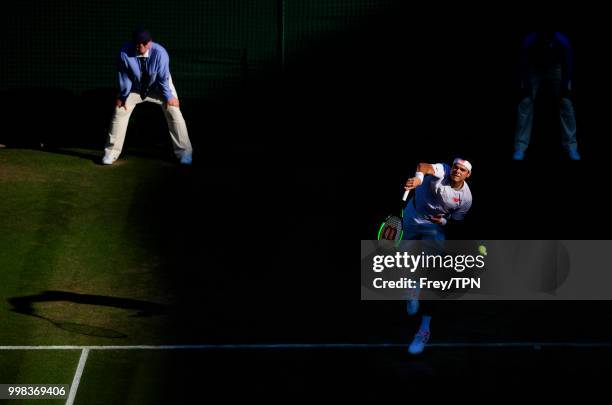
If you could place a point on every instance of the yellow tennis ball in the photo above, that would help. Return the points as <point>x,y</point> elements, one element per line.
<point>482,249</point>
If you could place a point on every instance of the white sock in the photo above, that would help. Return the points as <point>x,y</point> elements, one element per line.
<point>425,323</point>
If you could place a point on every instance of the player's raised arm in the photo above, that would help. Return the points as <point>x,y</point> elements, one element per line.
<point>422,170</point>
<point>425,168</point>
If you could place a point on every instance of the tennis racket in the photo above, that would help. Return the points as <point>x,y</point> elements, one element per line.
<point>391,228</point>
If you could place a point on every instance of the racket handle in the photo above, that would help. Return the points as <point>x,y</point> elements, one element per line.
<point>405,197</point>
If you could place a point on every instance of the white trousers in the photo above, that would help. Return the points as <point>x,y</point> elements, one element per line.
<point>174,118</point>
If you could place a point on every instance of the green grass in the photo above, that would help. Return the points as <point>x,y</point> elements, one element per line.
<point>71,225</point>
<point>101,239</point>
<point>38,367</point>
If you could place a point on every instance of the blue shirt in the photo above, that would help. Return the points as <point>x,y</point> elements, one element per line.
<point>541,54</point>
<point>128,68</point>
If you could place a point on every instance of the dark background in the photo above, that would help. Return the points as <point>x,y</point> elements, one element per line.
<point>368,87</point>
<point>366,91</point>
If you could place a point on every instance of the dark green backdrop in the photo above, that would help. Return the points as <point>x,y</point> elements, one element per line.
<point>214,45</point>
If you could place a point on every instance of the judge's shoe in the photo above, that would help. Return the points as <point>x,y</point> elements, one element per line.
<point>573,154</point>
<point>108,160</point>
<point>518,155</point>
<point>186,159</point>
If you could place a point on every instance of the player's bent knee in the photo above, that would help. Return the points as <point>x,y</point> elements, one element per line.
<point>566,105</point>
<point>175,114</point>
<point>120,112</point>
<point>525,106</point>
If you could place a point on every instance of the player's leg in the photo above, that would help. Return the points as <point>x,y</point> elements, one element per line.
<point>411,232</point>
<point>524,120</point>
<point>567,116</point>
<point>433,239</point>
<point>568,128</point>
<point>178,131</point>
<point>412,294</point>
<point>412,301</point>
<point>118,129</point>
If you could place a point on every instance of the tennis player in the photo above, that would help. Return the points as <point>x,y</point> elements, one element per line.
<point>441,196</point>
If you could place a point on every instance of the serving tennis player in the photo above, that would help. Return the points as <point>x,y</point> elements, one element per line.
<point>441,196</point>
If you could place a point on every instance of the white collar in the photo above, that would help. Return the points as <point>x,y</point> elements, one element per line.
<point>146,55</point>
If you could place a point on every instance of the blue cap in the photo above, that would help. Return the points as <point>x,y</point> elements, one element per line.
<point>141,35</point>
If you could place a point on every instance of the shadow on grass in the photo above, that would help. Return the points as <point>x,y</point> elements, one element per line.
<point>96,156</point>
<point>92,156</point>
<point>24,305</point>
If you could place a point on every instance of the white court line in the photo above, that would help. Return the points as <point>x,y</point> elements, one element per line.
<point>77,376</point>
<point>85,350</point>
<point>287,346</point>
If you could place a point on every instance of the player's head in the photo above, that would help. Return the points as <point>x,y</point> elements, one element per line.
<point>142,40</point>
<point>461,170</point>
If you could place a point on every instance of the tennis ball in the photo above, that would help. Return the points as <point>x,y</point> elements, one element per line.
<point>482,249</point>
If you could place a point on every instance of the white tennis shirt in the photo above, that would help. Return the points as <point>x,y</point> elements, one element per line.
<point>436,196</point>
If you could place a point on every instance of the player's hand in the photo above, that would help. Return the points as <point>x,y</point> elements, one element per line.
<point>173,102</point>
<point>411,183</point>
<point>437,219</point>
<point>120,103</point>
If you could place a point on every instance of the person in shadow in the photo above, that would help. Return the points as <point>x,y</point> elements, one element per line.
<point>546,56</point>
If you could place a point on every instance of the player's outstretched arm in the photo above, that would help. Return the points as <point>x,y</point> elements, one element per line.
<point>422,170</point>
<point>425,168</point>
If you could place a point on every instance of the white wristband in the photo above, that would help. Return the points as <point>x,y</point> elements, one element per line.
<point>443,221</point>
<point>420,176</point>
